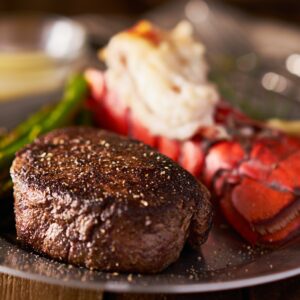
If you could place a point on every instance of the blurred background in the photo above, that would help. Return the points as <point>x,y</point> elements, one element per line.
<point>253,47</point>
<point>288,10</point>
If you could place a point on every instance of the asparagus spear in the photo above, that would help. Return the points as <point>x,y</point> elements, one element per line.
<point>66,109</point>
<point>24,127</point>
<point>84,118</point>
<point>61,115</point>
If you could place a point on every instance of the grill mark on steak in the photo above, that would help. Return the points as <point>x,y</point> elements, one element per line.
<point>103,201</point>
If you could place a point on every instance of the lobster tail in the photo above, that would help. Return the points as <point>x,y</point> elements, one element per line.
<point>253,171</point>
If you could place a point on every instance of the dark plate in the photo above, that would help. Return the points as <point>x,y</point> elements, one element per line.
<point>225,262</point>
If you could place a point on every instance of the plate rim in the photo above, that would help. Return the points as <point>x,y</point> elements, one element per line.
<point>131,287</point>
<point>122,287</point>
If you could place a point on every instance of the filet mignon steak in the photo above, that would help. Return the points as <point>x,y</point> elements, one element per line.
<point>96,199</point>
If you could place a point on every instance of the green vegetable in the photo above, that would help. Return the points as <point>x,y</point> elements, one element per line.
<point>24,127</point>
<point>44,121</point>
<point>84,118</point>
<point>67,108</point>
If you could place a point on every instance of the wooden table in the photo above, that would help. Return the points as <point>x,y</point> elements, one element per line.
<point>12,288</point>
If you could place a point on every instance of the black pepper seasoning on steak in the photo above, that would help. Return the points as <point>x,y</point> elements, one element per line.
<point>93,198</point>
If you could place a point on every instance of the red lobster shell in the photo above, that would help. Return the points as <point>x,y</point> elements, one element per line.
<point>254,175</point>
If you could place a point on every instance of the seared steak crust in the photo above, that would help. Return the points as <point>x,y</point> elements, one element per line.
<point>96,199</point>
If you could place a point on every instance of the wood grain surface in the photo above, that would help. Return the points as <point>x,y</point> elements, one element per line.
<point>12,288</point>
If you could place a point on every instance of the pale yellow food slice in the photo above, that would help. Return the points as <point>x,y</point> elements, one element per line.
<point>290,127</point>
